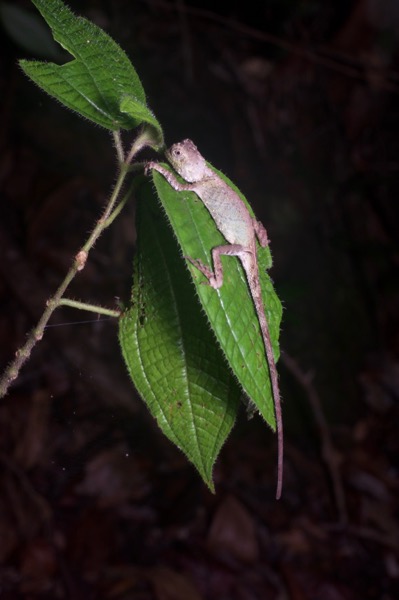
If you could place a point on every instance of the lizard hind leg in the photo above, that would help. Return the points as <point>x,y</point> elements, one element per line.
<point>215,278</point>
<point>206,271</point>
<point>261,233</point>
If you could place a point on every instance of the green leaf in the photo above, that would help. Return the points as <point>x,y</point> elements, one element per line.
<point>96,81</point>
<point>230,309</point>
<point>169,349</point>
<point>139,112</point>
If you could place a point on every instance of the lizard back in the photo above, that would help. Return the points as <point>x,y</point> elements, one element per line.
<point>227,210</point>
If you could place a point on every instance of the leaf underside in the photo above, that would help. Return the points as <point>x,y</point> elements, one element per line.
<point>170,350</point>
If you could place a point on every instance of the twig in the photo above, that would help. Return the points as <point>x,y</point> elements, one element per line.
<point>111,210</point>
<point>366,533</point>
<point>321,56</point>
<point>185,40</point>
<point>43,509</point>
<point>95,308</point>
<point>329,453</point>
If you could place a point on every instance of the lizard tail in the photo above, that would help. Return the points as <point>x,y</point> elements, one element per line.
<point>260,311</point>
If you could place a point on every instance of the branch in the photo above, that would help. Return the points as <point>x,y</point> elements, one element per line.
<point>110,212</point>
<point>329,453</point>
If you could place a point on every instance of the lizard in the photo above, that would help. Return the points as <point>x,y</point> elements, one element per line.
<point>241,230</point>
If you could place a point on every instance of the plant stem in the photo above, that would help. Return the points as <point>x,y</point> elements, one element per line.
<point>100,310</point>
<point>118,145</point>
<point>22,355</point>
<point>109,214</point>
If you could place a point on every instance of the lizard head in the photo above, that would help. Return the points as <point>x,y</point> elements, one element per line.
<point>187,161</point>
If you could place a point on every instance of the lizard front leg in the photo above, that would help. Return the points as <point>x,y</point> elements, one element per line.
<point>169,176</point>
<point>215,277</point>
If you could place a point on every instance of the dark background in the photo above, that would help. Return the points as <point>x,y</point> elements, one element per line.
<point>298,103</point>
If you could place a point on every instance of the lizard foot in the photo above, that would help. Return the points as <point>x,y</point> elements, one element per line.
<point>148,167</point>
<point>198,264</point>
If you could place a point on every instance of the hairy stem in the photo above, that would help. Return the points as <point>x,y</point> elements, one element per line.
<point>100,310</point>
<point>109,214</point>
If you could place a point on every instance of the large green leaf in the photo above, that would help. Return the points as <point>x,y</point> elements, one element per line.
<point>230,309</point>
<point>171,354</point>
<point>96,81</point>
